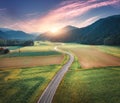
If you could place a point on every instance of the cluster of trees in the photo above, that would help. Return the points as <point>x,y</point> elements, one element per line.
<point>112,40</point>
<point>4,50</point>
<point>16,42</point>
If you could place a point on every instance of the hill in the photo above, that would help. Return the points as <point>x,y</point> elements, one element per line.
<point>62,36</point>
<point>103,31</point>
<point>2,35</point>
<point>9,34</point>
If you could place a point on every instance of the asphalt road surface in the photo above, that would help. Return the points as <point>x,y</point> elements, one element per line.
<point>49,92</point>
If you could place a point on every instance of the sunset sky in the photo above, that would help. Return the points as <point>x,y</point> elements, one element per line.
<point>44,15</point>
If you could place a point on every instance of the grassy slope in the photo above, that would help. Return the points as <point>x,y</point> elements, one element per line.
<point>97,85</point>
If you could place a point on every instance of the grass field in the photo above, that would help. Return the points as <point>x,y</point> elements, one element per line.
<point>18,62</point>
<point>115,51</point>
<point>91,56</point>
<point>100,85</point>
<point>14,47</point>
<point>31,51</point>
<point>23,76</point>
<point>25,85</point>
<point>93,85</point>
<point>30,56</point>
<point>81,84</point>
<point>24,54</point>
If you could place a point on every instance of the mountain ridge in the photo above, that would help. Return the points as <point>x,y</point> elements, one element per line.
<point>9,34</point>
<point>104,31</point>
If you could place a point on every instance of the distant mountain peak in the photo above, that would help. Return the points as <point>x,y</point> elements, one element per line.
<point>5,29</point>
<point>10,34</point>
<point>70,27</point>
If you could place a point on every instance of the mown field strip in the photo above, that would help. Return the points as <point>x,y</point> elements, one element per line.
<point>91,56</point>
<point>19,62</point>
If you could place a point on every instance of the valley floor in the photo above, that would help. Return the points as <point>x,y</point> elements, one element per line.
<point>87,81</point>
<point>25,75</point>
<point>98,85</point>
<point>92,78</point>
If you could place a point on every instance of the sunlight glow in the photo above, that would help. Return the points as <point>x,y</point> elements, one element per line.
<point>54,30</point>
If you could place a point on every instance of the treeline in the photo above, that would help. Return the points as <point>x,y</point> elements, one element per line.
<point>16,42</point>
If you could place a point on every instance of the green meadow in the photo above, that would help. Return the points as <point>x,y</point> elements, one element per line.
<point>113,50</point>
<point>43,49</point>
<point>29,53</point>
<point>79,85</point>
<point>97,85</point>
<point>93,85</point>
<point>25,85</point>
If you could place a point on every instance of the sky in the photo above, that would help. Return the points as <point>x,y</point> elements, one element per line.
<point>44,15</point>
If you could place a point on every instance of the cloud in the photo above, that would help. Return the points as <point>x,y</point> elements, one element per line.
<point>32,14</point>
<point>88,21</point>
<point>4,19</point>
<point>75,9</point>
<point>66,13</point>
<point>2,9</point>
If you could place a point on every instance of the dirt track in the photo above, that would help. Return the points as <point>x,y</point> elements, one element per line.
<point>90,57</point>
<point>18,62</point>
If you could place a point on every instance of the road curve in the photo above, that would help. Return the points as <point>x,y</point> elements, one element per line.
<point>49,92</point>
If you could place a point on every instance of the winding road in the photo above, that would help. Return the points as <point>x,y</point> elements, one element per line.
<point>49,92</point>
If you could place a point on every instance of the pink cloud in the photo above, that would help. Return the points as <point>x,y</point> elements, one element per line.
<point>64,14</point>
<point>88,21</point>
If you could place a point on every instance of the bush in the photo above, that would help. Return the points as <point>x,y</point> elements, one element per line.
<point>4,51</point>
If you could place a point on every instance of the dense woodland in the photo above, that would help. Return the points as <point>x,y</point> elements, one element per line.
<point>16,42</point>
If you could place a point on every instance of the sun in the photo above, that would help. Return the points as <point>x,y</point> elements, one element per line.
<point>54,30</point>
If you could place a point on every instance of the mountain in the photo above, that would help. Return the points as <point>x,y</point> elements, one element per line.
<point>5,29</point>
<point>69,28</point>
<point>103,31</point>
<point>18,35</point>
<point>61,36</point>
<point>2,35</point>
<point>15,35</point>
